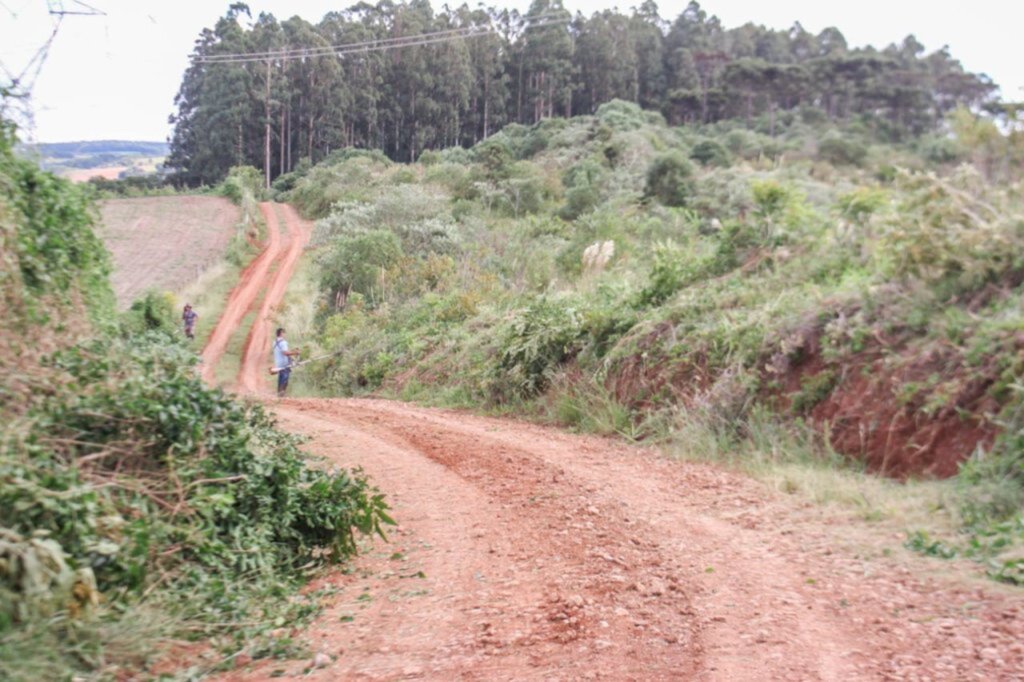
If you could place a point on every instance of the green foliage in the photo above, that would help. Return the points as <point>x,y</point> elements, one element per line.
<point>496,159</point>
<point>356,263</point>
<point>138,475</point>
<point>582,183</point>
<point>153,311</point>
<point>137,505</point>
<point>620,115</point>
<point>591,408</point>
<point>669,179</point>
<point>430,158</point>
<point>940,149</point>
<point>710,153</point>
<point>47,225</point>
<point>698,326</point>
<point>535,343</point>
<point>623,71</point>
<point>242,181</point>
<point>669,272</point>
<point>840,151</point>
<point>942,231</point>
<point>860,204</point>
<point>814,389</point>
<point>132,186</point>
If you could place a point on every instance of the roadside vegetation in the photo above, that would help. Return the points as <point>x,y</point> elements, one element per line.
<point>827,298</point>
<point>139,509</point>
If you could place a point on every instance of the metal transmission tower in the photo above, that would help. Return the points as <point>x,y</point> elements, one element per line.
<point>59,8</point>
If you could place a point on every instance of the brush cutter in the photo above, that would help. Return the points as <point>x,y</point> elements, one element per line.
<point>276,370</point>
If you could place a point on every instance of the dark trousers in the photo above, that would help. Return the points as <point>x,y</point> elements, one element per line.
<point>282,380</point>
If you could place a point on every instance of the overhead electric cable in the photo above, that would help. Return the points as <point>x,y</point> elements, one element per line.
<point>376,45</point>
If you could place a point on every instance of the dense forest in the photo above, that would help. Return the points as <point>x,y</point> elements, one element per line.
<point>402,78</point>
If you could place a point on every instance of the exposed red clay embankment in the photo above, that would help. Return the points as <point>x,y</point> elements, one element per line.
<point>528,553</point>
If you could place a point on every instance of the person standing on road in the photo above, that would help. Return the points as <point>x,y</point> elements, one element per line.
<point>282,361</point>
<point>189,317</point>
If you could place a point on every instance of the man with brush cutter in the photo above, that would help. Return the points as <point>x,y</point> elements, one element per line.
<point>282,362</point>
<point>285,362</point>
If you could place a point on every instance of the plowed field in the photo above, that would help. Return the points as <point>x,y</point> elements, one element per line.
<point>164,242</point>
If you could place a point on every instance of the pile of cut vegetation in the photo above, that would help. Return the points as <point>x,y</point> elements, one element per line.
<point>137,506</point>
<point>856,289</point>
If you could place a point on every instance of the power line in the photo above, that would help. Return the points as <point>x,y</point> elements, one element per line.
<point>376,45</point>
<point>79,8</point>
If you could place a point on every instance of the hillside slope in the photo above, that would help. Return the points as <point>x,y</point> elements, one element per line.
<point>526,552</point>
<point>700,285</point>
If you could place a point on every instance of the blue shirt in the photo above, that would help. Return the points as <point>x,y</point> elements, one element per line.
<point>280,348</point>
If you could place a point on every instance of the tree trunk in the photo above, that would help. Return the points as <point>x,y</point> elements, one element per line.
<point>487,104</point>
<point>266,129</point>
<point>280,146</point>
<point>289,136</point>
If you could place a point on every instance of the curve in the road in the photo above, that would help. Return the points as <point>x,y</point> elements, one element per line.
<point>528,553</point>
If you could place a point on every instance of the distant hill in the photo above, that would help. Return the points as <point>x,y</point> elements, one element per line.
<point>110,158</point>
<point>73,150</point>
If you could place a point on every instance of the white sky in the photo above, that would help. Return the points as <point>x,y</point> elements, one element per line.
<point>115,76</point>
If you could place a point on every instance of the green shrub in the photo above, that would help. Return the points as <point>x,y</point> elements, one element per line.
<point>582,195</point>
<point>535,343</point>
<point>710,153</point>
<point>47,228</point>
<point>840,151</point>
<point>579,200</point>
<point>129,477</point>
<point>430,157</point>
<point>669,273</point>
<point>619,115</point>
<point>287,182</point>
<point>940,149</point>
<point>242,180</point>
<point>495,157</point>
<point>356,264</point>
<point>670,179</point>
<point>153,311</point>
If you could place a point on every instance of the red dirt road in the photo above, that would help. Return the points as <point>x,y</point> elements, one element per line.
<point>267,277</point>
<point>252,378</point>
<point>526,553</point>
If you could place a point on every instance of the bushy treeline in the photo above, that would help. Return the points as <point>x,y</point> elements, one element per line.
<point>273,113</point>
<point>695,283</point>
<point>136,504</point>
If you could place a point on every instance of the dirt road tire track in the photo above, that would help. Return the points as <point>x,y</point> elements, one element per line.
<point>546,555</point>
<point>243,297</point>
<point>267,275</point>
<point>252,376</point>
